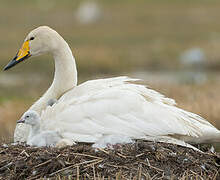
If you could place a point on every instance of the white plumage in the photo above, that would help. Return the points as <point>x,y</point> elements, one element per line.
<point>114,106</point>
<point>122,108</point>
<point>37,137</point>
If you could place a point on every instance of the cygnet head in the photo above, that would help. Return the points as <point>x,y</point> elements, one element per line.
<point>51,102</point>
<point>30,117</point>
<point>39,41</point>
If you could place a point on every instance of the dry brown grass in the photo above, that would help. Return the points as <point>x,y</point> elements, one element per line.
<point>139,160</point>
<point>10,113</point>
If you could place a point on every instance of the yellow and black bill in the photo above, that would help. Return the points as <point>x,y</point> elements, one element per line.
<point>22,54</point>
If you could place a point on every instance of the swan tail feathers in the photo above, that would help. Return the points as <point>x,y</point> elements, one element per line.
<point>170,140</point>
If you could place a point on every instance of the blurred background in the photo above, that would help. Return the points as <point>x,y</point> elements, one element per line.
<point>174,46</point>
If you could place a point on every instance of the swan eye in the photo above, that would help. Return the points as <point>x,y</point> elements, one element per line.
<point>27,116</point>
<point>32,38</point>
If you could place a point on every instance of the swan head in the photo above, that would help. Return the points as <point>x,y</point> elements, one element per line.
<point>39,41</point>
<point>30,117</point>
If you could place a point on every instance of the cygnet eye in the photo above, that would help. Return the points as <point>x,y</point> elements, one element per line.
<point>27,116</point>
<point>32,38</point>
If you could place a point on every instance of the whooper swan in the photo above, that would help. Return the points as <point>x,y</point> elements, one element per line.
<point>115,106</point>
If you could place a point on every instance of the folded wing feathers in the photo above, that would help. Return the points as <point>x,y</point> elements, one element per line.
<point>182,122</point>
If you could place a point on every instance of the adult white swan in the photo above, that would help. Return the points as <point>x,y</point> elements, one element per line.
<point>103,107</point>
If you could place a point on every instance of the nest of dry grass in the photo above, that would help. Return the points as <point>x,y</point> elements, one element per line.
<point>141,160</point>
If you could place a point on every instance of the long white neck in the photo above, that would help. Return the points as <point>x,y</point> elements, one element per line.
<point>65,77</point>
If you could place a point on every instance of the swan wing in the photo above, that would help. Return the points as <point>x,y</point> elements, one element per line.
<point>89,88</point>
<point>118,106</point>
